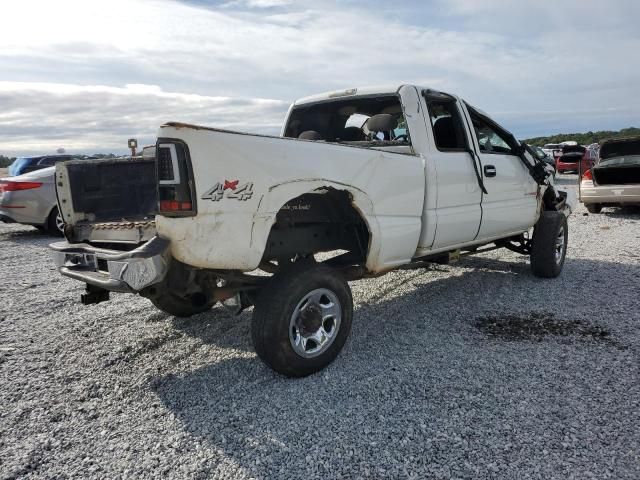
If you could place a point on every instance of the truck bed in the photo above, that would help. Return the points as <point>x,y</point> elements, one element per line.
<point>108,200</point>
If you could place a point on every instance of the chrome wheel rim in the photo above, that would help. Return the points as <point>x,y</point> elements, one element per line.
<point>315,323</point>
<point>560,246</point>
<point>59,222</point>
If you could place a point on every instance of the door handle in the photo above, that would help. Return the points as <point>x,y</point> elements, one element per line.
<point>489,171</point>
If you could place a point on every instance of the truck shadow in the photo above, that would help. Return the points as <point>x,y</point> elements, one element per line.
<point>26,233</point>
<point>359,403</point>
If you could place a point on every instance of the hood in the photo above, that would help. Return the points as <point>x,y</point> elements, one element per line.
<point>620,148</point>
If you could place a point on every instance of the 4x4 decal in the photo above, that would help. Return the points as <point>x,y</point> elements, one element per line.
<point>229,189</point>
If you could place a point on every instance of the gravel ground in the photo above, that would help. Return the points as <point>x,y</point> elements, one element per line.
<point>473,370</point>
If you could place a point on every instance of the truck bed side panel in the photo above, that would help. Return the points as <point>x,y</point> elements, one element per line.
<point>387,188</point>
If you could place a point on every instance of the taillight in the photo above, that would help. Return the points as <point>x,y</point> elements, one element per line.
<point>174,206</point>
<point>10,186</point>
<point>587,175</point>
<point>176,192</point>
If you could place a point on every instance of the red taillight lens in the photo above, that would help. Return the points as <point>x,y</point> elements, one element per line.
<point>9,186</point>
<point>587,175</point>
<point>174,206</point>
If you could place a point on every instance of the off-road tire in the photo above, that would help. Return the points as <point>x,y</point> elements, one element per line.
<point>274,309</point>
<point>594,207</point>
<point>545,261</point>
<point>52,223</point>
<point>181,307</point>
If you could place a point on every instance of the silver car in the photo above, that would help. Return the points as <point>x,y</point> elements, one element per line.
<point>31,199</point>
<point>615,180</point>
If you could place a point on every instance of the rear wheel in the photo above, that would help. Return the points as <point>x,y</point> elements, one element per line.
<point>55,224</point>
<point>302,319</point>
<point>594,207</point>
<point>549,244</point>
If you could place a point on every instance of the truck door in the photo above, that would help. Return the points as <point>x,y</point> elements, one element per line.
<point>458,195</point>
<point>510,205</point>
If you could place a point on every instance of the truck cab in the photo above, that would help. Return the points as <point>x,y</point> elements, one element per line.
<point>360,182</point>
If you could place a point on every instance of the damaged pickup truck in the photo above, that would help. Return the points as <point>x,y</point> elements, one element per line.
<point>360,182</point>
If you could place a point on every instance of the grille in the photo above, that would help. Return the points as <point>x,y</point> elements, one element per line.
<point>165,165</point>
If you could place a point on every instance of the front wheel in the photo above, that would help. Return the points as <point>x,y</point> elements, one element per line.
<point>302,319</point>
<point>549,244</point>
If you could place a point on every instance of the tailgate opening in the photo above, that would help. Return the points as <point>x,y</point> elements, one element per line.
<point>108,200</point>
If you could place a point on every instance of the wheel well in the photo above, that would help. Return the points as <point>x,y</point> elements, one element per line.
<point>323,220</point>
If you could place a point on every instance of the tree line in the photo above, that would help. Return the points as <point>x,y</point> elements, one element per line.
<point>585,138</point>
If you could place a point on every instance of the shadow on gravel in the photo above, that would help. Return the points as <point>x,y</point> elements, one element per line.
<point>536,326</point>
<point>415,367</point>
<point>28,235</point>
<point>621,212</point>
<point>217,327</point>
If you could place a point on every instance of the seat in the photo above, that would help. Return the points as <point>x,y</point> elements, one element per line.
<point>445,133</point>
<point>310,135</point>
<point>352,134</point>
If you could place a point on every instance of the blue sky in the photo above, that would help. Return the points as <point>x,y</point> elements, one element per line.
<point>86,75</point>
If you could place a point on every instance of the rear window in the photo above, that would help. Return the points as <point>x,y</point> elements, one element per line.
<point>18,165</point>
<point>366,121</point>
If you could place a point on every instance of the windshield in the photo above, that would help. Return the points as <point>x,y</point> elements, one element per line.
<point>625,161</point>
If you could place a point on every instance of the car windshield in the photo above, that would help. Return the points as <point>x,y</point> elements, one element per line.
<point>624,161</point>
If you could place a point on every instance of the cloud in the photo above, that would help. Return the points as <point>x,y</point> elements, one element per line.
<point>41,117</point>
<point>502,56</point>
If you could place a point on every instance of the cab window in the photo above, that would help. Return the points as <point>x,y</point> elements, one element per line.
<point>490,140</point>
<point>446,122</point>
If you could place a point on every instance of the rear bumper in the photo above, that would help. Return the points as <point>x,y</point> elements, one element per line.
<point>610,194</point>
<point>114,270</point>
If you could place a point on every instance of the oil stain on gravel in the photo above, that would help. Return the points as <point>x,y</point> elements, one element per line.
<point>536,326</point>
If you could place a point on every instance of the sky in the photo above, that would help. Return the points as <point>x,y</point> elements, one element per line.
<point>86,75</point>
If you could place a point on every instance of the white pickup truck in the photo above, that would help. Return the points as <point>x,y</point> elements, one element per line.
<point>360,182</point>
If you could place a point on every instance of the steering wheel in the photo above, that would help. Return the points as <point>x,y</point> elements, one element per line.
<point>402,138</point>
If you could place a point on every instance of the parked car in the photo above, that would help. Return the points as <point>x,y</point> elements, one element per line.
<point>615,180</point>
<point>553,150</point>
<point>574,158</point>
<point>31,199</point>
<point>29,164</point>
<point>449,183</point>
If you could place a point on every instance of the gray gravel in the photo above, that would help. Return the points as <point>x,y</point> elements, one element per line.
<point>473,370</point>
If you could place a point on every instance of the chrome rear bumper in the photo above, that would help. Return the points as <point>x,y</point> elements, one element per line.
<point>114,270</point>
